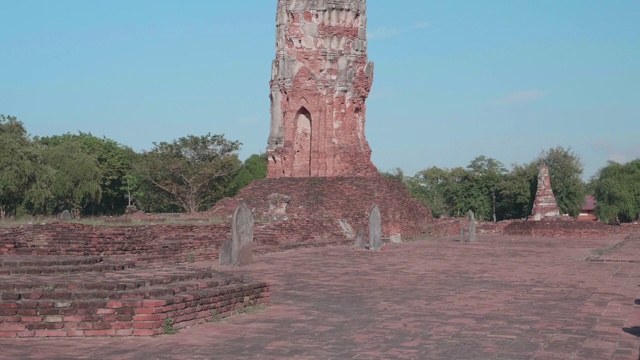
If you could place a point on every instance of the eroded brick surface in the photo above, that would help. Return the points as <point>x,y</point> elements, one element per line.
<point>317,204</point>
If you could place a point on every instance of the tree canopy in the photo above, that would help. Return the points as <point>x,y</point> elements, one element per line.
<point>254,168</point>
<point>492,192</point>
<point>17,173</point>
<point>191,172</point>
<point>617,190</point>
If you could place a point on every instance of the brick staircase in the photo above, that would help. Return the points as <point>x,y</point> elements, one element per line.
<point>65,296</point>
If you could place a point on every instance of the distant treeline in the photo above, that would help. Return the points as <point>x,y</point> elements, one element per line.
<point>493,193</point>
<point>88,175</point>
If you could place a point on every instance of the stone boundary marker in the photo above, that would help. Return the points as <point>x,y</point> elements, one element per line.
<point>472,227</point>
<point>375,228</point>
<point>238,250</point>
<point>361,239</point>
<point>469,235</point>
<point>65,215</point>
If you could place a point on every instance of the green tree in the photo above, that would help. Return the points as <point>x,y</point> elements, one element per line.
<point>487,174</point>
<point>429,186</point>
<point>516,192</point>
<point>617,191</point>
<point>254,168</point>
<point>456,191</point>
<point>17,158</point>
<point>113,160</point>
<point>191,172</point>
<point>74,177</point>
<point>395,174</point>
<point>565,170</point>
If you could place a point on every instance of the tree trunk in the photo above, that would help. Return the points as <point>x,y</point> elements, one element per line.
<point>191,204</point>
<point>494,205</point>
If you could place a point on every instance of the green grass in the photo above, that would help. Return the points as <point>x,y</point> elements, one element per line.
<point>595,254</point>
<point>249,308</point>
<point>48,288</point>
<point>167,327</point>
<point>214,315</point>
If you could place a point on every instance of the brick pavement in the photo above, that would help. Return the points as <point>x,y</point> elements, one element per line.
<point>502,297</point>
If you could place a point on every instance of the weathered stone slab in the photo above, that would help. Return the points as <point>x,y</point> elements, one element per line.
<point>395,238</point>
<point>375,228</point>
<point>65,215</point>
<point>346,228</point>
<point>238,251</point>
<point>361,239</point>
<point>225,257</point>
<point>472,227</point>
<point>242,236</point>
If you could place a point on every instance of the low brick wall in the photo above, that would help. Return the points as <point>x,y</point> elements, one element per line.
<point>117,301</point>
<point>165,243</point>
<point>558,229</point>
<point>144,242</point>
<point>28,315</point>
<point>452,226</point>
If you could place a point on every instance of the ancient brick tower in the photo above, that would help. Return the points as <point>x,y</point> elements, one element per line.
<point>544,204</point>
<point>321,183</point>
<point>319,83</point>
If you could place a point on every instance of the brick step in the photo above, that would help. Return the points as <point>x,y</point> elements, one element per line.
<point>62,251</point>
<point>104,292</point>
<point>52,285</point>
<point>10,261</point>
<point>106,245</point>
<point>23,251</point>
<point>41,270</point>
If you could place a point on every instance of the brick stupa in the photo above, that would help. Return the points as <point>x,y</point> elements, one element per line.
<point>544,205</point>
<point>320,174</point>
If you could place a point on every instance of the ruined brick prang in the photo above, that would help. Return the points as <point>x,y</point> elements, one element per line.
<point>544,204</point>
<point>320,80</point>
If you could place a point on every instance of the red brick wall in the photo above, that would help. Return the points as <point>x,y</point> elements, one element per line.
<point>146,242</point>
<point>165,242</point>
<point>558,229</point>
<point>452,226</point>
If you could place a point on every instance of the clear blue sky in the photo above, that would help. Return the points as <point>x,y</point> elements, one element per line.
<point>454,79</point>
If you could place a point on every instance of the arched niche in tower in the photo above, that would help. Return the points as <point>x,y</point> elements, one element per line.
<point>302,143</point>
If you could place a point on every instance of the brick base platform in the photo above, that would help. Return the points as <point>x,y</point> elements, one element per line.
<point>322,207</point>
<point>64,296</point>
